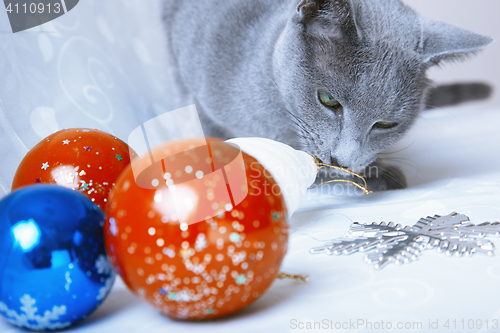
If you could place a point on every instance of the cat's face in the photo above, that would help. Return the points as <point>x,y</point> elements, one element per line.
<point>354,83</point>
<point>355,104</point>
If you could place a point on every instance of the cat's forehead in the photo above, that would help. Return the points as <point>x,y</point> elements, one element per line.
<point>373,61</point>
<point>391,37</point>
<point>388,21</point>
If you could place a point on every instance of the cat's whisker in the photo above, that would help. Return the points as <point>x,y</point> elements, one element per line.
<point>401,161</point>
<point>288,106</point>
<point>291,122</point>
<point>300,130</point>
<point>388,174</point>
<point>302,124</point>
<point>301,121</point>
<point>399,150</point>
<point>413,164</point>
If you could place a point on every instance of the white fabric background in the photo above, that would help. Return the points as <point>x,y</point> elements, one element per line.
<point>89,69</point>
<point>102,66</point>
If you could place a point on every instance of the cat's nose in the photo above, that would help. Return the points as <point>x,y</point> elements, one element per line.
<point>347,151</point>
<point>333,161</point>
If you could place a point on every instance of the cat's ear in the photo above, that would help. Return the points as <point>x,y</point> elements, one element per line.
<point>441,41</point>
<point>330,18</point>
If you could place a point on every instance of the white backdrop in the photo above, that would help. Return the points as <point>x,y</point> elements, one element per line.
<point>102,65</point>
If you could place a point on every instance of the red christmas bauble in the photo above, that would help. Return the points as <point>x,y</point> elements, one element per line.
<point>86,160</point>
<point>189,267</point>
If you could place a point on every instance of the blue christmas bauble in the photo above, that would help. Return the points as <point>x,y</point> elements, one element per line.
<point>54,270</point>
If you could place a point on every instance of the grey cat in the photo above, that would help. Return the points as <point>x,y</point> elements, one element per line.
<point>340,79</point>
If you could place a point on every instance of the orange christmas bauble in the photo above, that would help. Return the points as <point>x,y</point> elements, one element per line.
<point>85,160</point>
<point>184,238</point>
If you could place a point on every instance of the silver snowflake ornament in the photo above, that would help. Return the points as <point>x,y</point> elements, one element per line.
<point>453,234</point>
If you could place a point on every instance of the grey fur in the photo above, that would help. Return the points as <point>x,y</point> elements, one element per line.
<point>254,68</point>
<point>457,93</point>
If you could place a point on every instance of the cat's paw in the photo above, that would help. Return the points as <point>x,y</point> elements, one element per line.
<point>382,177</point>
<point>379,177</point>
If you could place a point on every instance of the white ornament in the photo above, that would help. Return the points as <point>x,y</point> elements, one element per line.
<point>294,170</point>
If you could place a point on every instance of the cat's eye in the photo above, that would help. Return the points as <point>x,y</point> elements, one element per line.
<point>328,100</point>
<point>385,125</point>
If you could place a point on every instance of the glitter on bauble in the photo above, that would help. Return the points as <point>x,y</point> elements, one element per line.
<point>198,228</point>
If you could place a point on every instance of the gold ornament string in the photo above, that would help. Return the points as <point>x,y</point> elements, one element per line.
<point>320,165</point>
<point>293,277</point>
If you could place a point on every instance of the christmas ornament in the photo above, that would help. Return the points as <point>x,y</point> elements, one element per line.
<point>189,269</point>
<point>393,243</point>
<point>53,266</point>
<point>294,170</point>
<point>198,229</point>
<point>86,160</point>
